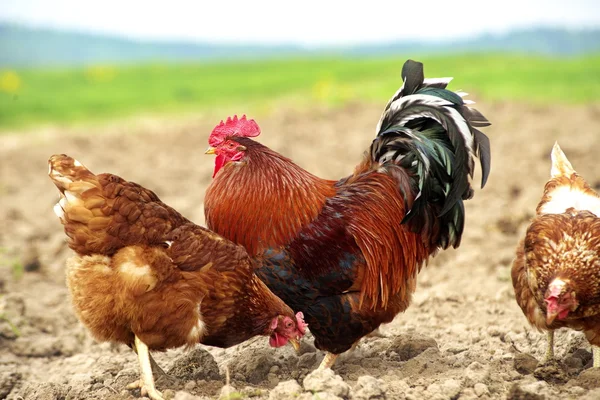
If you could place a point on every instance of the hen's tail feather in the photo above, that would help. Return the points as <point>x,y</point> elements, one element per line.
<point>102,213</point>
<point>431,132</point>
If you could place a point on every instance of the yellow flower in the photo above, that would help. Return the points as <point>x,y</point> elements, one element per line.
<point>10,82</point>
<point>100,73</point>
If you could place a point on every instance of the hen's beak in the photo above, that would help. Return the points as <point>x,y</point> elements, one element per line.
<point>210,150</point>
<point>550,317</point>
<point>295,344</point>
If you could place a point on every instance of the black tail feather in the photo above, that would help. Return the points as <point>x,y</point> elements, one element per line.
<point>431,132</point>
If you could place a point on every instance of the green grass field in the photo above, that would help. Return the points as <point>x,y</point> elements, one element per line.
<point>30,97</point>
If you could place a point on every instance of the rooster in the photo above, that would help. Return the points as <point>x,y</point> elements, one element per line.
<point>349,251</point>
<point>145,276</point>
<point>555,273</point>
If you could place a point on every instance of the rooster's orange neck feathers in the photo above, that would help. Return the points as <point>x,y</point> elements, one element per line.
<point>263,180</point>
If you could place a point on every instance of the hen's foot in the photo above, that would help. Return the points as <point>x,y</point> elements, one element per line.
<point>144,390</point>
<point>146,383</point>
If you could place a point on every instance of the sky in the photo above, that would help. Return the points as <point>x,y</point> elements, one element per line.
<point>309,23</point>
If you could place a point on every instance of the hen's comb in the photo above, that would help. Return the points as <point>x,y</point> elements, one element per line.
<point>233,127</point>
<point>300,322</point>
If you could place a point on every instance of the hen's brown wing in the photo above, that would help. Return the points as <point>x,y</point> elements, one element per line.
<point>523,294</point>
<point>103,213</point>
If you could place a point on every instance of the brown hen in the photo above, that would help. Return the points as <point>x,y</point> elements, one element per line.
<point>556,273</point>
<point>145,276</point>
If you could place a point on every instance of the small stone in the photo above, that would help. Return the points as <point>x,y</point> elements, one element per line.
<point>451,388</point>
<point>227,392</point>
<point>274,369</point>
<point>525,363</point>
<point>181,395</point>
<point>190,385</point>
<point>286,390</point>
<point>326,380</point>
<point>368,387</point>
<point>495,331</point>
<point>476,373</point>
<point>481,389</point>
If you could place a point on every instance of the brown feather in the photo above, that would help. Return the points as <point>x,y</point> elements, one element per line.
<point>143,269</point>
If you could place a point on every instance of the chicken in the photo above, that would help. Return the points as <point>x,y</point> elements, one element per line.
<point>349,250</point>
<point>556,269</point>
<point>145,276</point>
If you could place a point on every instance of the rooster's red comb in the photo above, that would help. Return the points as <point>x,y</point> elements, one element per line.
<point>233,127</point>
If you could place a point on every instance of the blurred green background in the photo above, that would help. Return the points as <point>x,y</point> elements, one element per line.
<point>59,75</point>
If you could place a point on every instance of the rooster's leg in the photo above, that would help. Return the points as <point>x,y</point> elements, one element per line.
<point>328,361</point>
<point>596,356</point>
<point>146,383</point>
<point>550,350</point>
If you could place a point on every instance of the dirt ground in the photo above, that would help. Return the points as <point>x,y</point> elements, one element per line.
<point>463,337</point>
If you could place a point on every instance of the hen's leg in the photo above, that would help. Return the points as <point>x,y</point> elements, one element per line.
<point>596,356</point>
<point>550,350</point>
<point>156,369</point>
<point>328,361</point>
<point>146,383</point>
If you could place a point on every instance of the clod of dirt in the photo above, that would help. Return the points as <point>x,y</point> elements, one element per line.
<point>306,347</point>
<point>12,311</point>
<point>481,389</point>
<point>584,355</point>
<point>194,365</point>
<point>518,392</point>
<point>181,395</point>
<point>307,360</point>
<point>536,390</point>
<point>449,389</point>
<point>588,379</point>
<point>409,346</point>
<point>45,346</point>
<point>253,365</point>
<point>368,388</point>
<point>326,381</point>
<point>286,390</point>
<point>552,372</point>
<point>476,373</point>
<point>591,395</point>
<point>45,391</point>
<point>228,392</point>
<point>525,363</point>
<point>8,380</point>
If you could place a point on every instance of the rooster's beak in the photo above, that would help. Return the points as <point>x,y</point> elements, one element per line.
<point>295,344</point>
<point>210,150</point>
